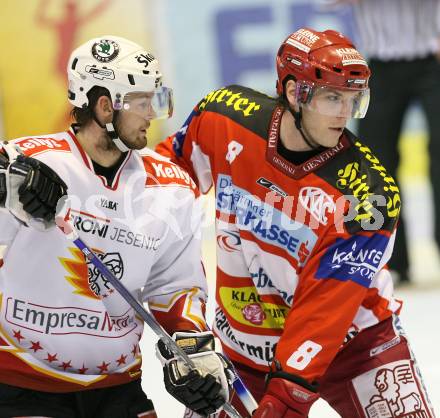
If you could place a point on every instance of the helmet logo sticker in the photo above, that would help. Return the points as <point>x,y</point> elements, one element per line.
<point>351,56</point>
<point>298,45</point>
<point>303,39</point>
<point>100,73</point>
<point>356,81</point>
<point>144,59</point>
<point>294,61</point>
<point>105,50</point>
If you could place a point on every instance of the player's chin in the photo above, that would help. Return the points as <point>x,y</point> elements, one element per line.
<point>140,144</point>
<point>140,141</point>
<point>333,137</point>
<point>137,143</point>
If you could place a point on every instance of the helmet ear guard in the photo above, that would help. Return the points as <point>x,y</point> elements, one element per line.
<point>303,89</point>
<point>304,92</point>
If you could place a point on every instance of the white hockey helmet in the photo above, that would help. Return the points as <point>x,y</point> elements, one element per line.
<point>124,68</point>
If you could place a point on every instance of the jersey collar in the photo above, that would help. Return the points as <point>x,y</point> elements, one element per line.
<point>298,171</point>
<point>88,162</point>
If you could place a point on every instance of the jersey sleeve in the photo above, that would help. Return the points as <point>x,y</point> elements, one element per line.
<point>333,285</point>
<point>176,291</point>
<point>192,148</point>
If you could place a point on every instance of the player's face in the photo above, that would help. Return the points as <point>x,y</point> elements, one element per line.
<point>134,120</point>
<point>325,128</point>
<point>132,129</point>
<point>326,112</point>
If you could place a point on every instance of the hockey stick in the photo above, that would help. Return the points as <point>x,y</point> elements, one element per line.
<point>242,392</point>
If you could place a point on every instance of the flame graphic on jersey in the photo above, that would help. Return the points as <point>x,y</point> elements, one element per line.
<point>78,273</point>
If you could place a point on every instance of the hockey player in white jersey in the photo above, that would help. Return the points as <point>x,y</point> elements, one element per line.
<point>69,344</point>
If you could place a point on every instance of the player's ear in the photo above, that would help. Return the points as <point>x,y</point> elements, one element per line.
<point>104,109</point>
<point>290,92</point>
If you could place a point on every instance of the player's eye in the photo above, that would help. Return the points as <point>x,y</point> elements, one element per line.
<point>334,98</point>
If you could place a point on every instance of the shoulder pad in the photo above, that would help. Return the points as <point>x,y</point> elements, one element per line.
<point>234,99</point>
<point>359,174</point>
<point>249,108</point>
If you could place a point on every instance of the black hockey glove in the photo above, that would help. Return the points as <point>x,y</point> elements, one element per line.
<point>41,189</point>
<point>31,189</point>
<point>206,389</point>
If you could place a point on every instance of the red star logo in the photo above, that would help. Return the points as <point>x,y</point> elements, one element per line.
<point>18,336</point>
<point>83,369</point>
<point>65,365</point>
<point>103,367</point>
<point>111,291</point>
<point>51,358</point>
<point>121,360</point>
<point>36,346</point>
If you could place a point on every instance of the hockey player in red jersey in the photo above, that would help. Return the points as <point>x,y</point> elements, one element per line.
<point>69,344</point>
<point>305,221</point>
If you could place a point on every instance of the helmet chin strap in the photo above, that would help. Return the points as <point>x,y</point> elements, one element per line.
<point>298,116</point>
<point>112,133</point>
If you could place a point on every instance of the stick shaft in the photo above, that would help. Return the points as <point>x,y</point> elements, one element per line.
<point>122,290</point>
<point>91,257</point>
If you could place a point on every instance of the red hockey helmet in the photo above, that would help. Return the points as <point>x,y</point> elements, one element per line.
<point>323,60</point>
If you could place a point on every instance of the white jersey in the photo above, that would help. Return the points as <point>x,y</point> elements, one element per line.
<point>56,333</point>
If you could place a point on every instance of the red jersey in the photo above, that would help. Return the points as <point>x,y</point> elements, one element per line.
<point>300,270</point>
